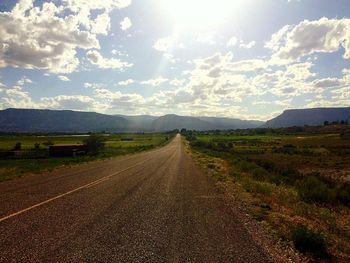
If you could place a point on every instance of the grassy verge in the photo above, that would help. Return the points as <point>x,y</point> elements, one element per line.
<point>13,168</point>
<point>303,206</point>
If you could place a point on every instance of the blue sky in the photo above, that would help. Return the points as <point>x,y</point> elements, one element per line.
<point>246,58</point>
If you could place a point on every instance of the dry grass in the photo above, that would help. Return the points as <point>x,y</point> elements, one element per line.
<point>280,206</point>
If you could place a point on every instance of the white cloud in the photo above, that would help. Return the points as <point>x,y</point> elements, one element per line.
<point>163,44</point>
<point>329,103</point>
<point>328,83</point>
<point>346,72</point>
<point>154,82</point>
<point>23,81</point>
<point>93,85</point>
<point>125,24</point>
<point>39,38</point>
<point>107,5</point>
<point>127,102</point>
<point>274,43</point>
<point>233,41</point>
<point>73,102</point>
<point>63,78</point>
<point>97,59</point>
<point>126,82</point>
<point>248,65</point>
<point>15,97</point>
<point>48,36</point>
<point>248,45</point>
<point>309,37</point>
<point>101,24</point>
<point>218,85</point>
<point>177,82</point>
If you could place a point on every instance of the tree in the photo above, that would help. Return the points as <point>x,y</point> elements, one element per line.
<point>95,143</point>
<point>37,146</point>
<point>18,146</point>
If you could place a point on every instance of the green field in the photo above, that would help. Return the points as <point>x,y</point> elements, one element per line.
<point>292,182</point>
<point>114,146</point>
<point>112,140</point>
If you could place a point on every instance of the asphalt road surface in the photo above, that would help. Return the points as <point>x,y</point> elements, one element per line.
<point>155,206</point>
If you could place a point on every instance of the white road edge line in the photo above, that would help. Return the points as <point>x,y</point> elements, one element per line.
<point>69,192</point>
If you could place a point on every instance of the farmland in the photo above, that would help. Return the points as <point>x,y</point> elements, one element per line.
<point>114,146</point>
<point>298,184</point>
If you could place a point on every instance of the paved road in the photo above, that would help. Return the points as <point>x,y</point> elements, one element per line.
<point>154,206</point>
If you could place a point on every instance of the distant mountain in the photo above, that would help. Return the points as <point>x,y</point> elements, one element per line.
<point>32,120</point>
<point>171,122</point>
<point>229,123</point>
<point>311,117</point>
<point>140,122</point>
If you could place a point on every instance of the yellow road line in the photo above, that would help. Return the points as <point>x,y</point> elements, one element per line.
<point>69,192</point>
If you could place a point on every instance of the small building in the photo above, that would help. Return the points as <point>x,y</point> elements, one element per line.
<point>67,150</point>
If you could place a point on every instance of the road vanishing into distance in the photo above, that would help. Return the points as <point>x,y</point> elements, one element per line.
<point>155,206</point>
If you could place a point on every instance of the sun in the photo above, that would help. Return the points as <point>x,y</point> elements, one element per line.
<point>199,13</point>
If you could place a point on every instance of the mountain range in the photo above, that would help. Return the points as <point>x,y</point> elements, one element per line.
<point>311,117</point>
<point>35,120</point>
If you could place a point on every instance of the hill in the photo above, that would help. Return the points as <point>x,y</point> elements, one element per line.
<point>171,122</point>
<point>229,123</point>
<point>33,120</point>
<point>140,122</point>
<point>311,117</point>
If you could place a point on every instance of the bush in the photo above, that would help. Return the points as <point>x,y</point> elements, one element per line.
<point>18,146</point>
<point>190,137</point>
<point>221,146</point>
<point>312,189</point>
<point>260,173</point>
<point>94,143</point>
<point>307,241</point>
<point>201,144</point>
<point>343,195</point>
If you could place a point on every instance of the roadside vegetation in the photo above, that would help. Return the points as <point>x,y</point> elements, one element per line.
<point>23,154</point>
<point>296,181</point>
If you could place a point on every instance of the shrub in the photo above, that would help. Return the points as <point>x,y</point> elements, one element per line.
<point>94,143</point>
<point>221,146</point>
<point>211,166</point>
<point>18,146</point>
<point>312,189</point>
<point>260,173</point>
<point>308,241</point>
<point>191,137</point>
<point>343,195</point>
<point>252,186</point>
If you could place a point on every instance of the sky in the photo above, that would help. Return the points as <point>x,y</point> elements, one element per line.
<point>248,59</point>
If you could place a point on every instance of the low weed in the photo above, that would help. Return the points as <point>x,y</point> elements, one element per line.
<point>312,189</point>
<point>308,241</point>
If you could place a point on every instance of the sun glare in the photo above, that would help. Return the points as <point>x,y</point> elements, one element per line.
<point>199,13</point>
